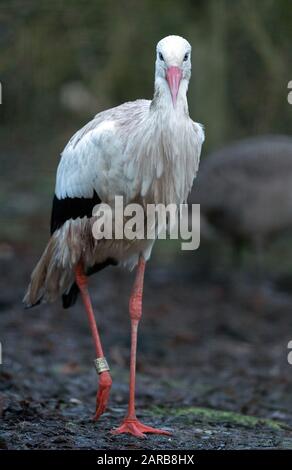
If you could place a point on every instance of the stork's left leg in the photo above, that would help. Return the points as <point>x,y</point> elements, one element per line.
<point>131,424</point>
<point>105,380</point>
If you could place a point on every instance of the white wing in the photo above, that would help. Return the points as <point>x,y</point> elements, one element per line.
<point>86,162</point>
<point>95,157</point>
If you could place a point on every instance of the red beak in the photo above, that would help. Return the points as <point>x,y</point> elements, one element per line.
<point>173,77</point>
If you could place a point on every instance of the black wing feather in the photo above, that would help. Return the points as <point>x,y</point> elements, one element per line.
<point>71,208</point>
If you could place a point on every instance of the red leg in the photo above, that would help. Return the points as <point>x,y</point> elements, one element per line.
<point>131,424</point>
<point>105,380</point>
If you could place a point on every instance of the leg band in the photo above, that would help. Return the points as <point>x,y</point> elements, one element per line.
<point>101,365</point>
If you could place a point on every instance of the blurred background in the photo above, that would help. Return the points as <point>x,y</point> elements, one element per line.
<point>61,63</point>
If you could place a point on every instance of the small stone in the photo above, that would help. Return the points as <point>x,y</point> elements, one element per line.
<point>75,401</point>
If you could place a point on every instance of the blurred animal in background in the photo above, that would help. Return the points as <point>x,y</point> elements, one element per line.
<point>245,192</point>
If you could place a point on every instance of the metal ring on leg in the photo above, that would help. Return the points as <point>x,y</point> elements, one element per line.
<point>101,365</point>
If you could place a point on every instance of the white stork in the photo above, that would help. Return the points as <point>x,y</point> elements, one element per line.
<point>147,152</point>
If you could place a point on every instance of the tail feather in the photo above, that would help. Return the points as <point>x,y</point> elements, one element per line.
<point>70,298</point>
<point>48,279</point>
<point>53,275</point>
<point>35,291</point>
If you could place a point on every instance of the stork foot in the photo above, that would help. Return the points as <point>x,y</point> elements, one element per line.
<point>104,387</point>
<point>137,429</point>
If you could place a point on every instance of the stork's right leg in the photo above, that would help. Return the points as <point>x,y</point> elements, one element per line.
<point>105,380</point>
<point>131,425</point>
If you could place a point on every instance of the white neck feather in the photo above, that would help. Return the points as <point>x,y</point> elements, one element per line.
<point>164,148</point>
<point>162,101</point>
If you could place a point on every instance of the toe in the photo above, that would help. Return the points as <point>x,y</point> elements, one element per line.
<point>128,428</point>
<point>137,429</point>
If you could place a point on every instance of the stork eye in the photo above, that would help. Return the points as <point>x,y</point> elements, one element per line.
<point>161,56</point>
<point>186,57</point>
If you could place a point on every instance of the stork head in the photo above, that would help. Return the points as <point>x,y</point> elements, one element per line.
<point>173,64</point>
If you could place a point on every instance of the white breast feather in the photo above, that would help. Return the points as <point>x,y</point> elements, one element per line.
<point>132,151</point>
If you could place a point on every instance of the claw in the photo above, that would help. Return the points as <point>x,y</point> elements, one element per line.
<point>104,387</point>
<point>137,429</point>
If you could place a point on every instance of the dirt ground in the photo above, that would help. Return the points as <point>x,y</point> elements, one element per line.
<point>212,364</point>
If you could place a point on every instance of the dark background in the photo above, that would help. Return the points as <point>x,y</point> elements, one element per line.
<point>213,342</point>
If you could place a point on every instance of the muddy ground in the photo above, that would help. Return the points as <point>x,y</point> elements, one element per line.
<point>212,364</point>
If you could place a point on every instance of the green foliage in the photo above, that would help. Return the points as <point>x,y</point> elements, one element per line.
<point>208,415</point>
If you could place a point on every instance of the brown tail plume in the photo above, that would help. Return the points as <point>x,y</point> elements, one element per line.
<point>47,279</point>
